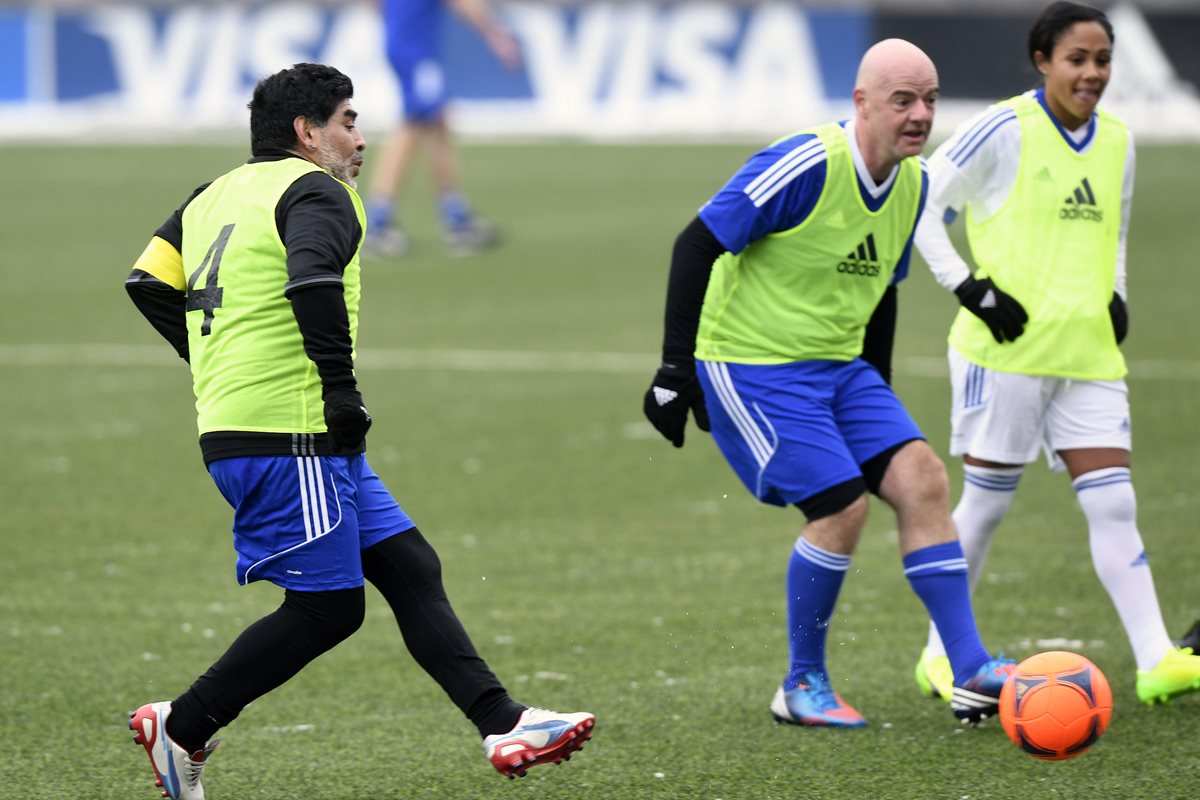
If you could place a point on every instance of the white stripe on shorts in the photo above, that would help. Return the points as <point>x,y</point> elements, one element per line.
<point>301,469</point>
<point>718,374</point>
<point>313,502</point>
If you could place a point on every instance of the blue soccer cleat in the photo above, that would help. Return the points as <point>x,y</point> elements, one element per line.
<point>979,698</point>
<point>176,771</point>
<point>814,702</point>
<point>539,737</point>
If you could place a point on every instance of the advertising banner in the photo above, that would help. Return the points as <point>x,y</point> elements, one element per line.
<point>598,70</point>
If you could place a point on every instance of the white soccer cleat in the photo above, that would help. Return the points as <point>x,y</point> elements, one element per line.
<point>539,737</point>
<point>175,770</point>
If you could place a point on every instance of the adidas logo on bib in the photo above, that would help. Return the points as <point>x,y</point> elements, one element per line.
<point>861,261</point>
<point>1081,204</point>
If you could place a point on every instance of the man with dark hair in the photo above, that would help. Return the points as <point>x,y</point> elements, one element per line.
<point>254,281</point>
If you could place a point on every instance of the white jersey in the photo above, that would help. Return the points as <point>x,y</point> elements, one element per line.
<point>977,167</point>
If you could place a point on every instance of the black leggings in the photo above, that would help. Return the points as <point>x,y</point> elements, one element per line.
<point>264,656</point>
<point>407,572</point>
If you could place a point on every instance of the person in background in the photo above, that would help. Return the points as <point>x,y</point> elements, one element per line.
<point>255,281</point>
<point>413,34</point>
<point>780,314</point>
<point>1046,183</point>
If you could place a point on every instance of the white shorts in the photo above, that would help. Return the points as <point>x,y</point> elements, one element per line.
<point>1007,417</point>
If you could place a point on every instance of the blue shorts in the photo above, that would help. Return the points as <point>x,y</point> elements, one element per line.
<point>301,522</point>
<point>422,87</point>
<point>792,430</point>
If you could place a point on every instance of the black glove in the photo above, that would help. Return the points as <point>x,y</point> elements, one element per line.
<point>1119,314</point>
<point>1003,315</point>
<point>346,418</point>
<point>675,389</point>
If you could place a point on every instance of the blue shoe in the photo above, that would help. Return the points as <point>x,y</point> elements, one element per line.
<point>814,702</point>
<point>979,697</point>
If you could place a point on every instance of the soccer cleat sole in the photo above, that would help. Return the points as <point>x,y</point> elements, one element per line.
<point>1163,698</point>
<point>139,737</point>
<point>515,765</point>
<point>814,723</point>
<point>972,708</point>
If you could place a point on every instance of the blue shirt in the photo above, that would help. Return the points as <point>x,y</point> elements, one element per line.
<point>413,28</point>
<point>776,189</point>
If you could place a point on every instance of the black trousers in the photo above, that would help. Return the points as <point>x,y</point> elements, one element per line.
<point>407,572</point>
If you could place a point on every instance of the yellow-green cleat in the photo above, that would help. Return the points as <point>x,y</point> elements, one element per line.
<point>1178,673</point>
<point>934,677</point>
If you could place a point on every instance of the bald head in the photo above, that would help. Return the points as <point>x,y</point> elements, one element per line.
<point>894,95</point>
<point>891,59</point>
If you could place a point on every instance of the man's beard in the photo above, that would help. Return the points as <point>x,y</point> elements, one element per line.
<point>338,167</point>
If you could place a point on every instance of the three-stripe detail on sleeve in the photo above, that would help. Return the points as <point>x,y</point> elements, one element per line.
<point>977,134</point>
<point>774,178</point>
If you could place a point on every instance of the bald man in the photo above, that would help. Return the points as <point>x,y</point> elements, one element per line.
<point>781,308</point>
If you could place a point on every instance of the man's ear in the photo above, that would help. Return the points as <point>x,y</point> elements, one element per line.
<point>304,136</point>
<point>860,99</point>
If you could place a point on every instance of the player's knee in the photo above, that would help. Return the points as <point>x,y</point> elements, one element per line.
<point>421,560</point>
<point>847,499</point>
<point>333,616</point>
<point>406,556</point>
<point>914,476</point>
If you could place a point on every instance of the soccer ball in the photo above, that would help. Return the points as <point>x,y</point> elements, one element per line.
<point>1055,705</point>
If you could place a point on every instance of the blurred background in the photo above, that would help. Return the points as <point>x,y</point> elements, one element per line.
<point>597,70</point>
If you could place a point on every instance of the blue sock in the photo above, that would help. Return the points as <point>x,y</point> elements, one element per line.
<point>379,215</point>
<point>814,578</point>
<point>938,574</point>
<point>456,212</point>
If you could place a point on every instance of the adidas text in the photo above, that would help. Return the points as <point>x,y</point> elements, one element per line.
<point>1075,212</point>
<point>863,268</point>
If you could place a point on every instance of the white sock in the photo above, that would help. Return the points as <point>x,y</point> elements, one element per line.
<point>987,494</point>
<point>1107,499</point>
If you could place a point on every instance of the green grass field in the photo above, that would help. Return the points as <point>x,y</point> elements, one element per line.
<point>596,566</point>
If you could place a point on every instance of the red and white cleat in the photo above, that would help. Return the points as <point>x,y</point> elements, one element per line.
<point>539,737</point>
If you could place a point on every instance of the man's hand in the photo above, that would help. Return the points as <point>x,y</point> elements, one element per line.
<point>1119,314</point>
<point>675,390</point>
<point>346,418</point>
<point>1003,315</point>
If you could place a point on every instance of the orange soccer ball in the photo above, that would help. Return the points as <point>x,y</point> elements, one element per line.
<point>1055,705</point>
